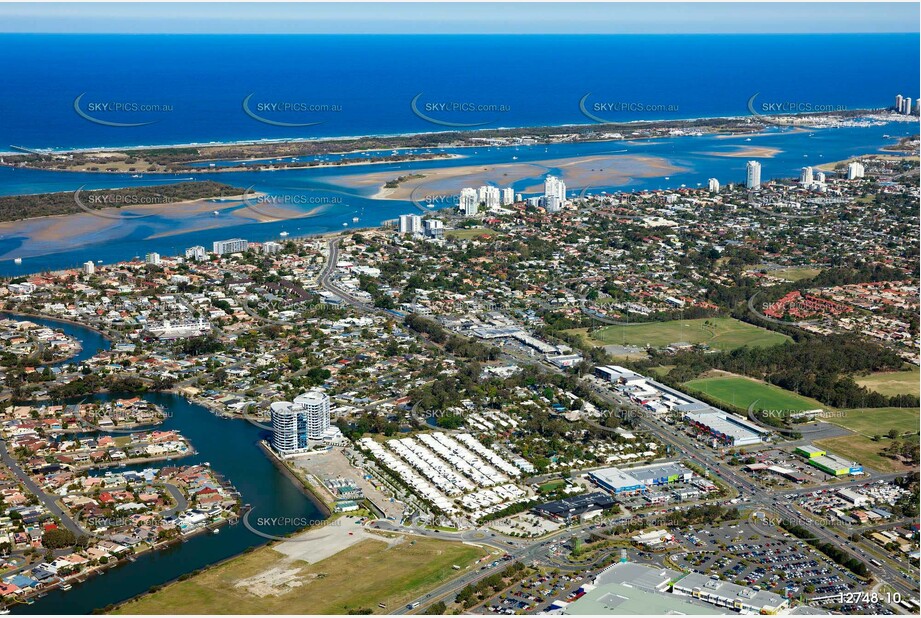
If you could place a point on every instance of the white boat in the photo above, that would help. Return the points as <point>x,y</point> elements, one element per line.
<point>216,213</point>
<point>283,234</point>
<point>17,261</point>
<point>354,219</point>
<point>345,224</point>
<point>748,139</point>
<point>216,531</point>
<point>66,586</point>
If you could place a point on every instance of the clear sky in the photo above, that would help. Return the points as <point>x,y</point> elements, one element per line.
<point>461,18</point>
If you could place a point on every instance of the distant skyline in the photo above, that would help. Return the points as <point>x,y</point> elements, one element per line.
<point>460,18</point>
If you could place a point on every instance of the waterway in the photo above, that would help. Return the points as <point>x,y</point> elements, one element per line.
<point>327,199</point>
<point>231,448</point>
<point>92,341</point>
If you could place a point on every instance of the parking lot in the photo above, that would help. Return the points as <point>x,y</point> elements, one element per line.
<point>739,554</point>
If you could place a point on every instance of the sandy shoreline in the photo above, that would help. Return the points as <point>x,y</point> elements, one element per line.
<point>54,228</point>
<point>578,172</point>
<point>748,152</point>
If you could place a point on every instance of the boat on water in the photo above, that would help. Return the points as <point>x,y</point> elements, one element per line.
<point>216,531</point>
<point>283,234</point>
<point>354,219</point>
<point>17,261</point>
<point>65,586</point>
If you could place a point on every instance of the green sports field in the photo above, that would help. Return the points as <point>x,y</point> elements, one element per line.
<point>892,382</point>
<point>718,333</point>
<point>742,392</point>
<point>878,421</point>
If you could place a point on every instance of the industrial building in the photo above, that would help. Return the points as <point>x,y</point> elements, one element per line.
<point>727,428</point>
<point>635,480</point>
<point>627,588</point>
<point>583,506</point>
<point>726,594</point>
<point>624,600</point>
<point>809,451</point>
<point>828,463</point>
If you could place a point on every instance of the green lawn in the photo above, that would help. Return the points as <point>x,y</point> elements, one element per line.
<point>893,382</point>
<point>862,450</point>
<point>742,392</point>
<point>795,274</point>
<point>467,234</point>
<point>356,578</point>
<point>878,421</point>
<point>718,333</point>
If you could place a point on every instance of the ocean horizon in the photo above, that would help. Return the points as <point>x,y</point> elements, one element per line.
<point>193,89</point>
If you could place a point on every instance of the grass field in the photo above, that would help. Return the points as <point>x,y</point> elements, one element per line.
<point>470,233</point>
<point>796,274</point>
<point>718,333</point>
<point>878,421</point>
<point>742,392</point>
<point>863,450</point>
<point>359,577</point>
<point>893,382</point>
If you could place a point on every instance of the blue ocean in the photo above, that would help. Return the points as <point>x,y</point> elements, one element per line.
<point>91,91</point>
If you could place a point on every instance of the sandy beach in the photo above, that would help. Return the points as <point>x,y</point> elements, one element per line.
<point>44,235</point>
<point>748,152</point>
<point>578,172</point>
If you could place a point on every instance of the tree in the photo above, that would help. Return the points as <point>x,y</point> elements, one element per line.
<point>58,538</point>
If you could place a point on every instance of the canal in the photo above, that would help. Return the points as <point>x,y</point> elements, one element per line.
<point>91,341</point>
<point>231,448</point>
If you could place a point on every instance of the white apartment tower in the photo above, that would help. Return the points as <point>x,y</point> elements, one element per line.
<point>233,245</point>
<point>410,224</point>
<point>89,268</point>
<point>271,247</point>
<point>508,196</point>
<point>805,176</point>
<point>554,187</point>
<point>753,175</point>
<point>490,196</point>
<point>196,253</point>
<point>295,424</point>
<point>854,170</point>
<point>434,228</point>
<point>315,407</point>
<point>152,258</point>
<point>469,202</point>
<point>713,185</point>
